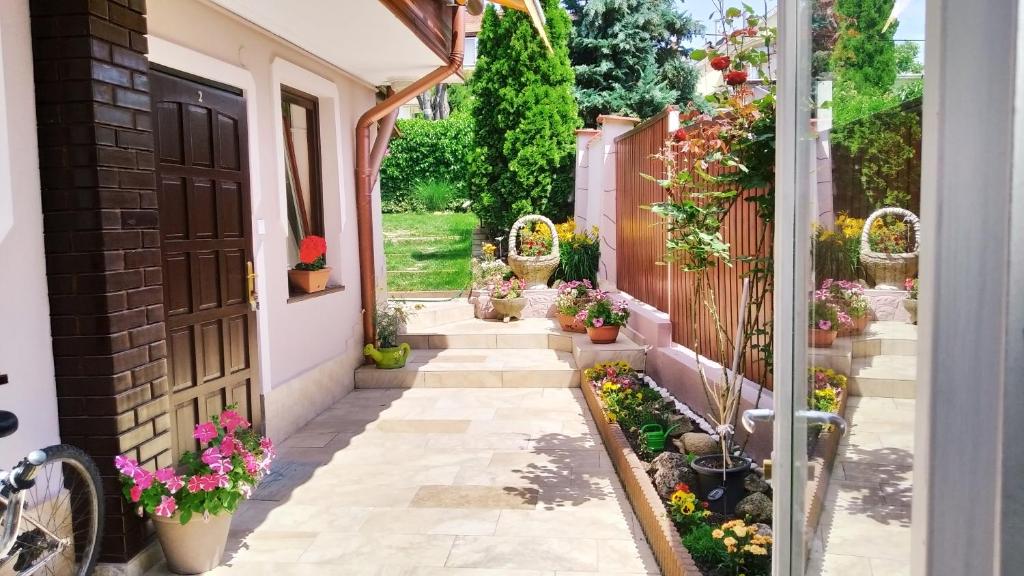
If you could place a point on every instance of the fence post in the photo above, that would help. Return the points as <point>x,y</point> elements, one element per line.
<point>582,196</point>
<point>611,128</point>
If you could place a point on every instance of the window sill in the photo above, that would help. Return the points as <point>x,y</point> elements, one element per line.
<point>300,296</point>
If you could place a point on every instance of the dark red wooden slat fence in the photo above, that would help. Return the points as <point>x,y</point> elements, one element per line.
<point>640,249</point>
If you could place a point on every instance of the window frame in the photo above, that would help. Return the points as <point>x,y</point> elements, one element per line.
<point>311,104</point>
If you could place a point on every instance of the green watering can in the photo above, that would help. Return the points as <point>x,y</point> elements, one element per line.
<point>388,358</point>
<point>655,435</point>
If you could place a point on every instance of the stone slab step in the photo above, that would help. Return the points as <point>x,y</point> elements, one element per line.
<point>889,376</point>
<point>476,368</point>
<point>428,315</point>
<point>892,338</point>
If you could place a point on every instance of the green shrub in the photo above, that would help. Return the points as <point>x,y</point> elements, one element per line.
<point>426,151</point>
<point>707,552</point>
<point>434,195</point>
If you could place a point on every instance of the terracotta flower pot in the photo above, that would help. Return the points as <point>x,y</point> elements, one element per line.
<point>859,324</point>
<point>571,323</point>
<point>818,338</point>
<point>603,335</point>
<point>309,281</point>
<point>195,547</point>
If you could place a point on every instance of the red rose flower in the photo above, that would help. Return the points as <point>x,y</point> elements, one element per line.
<point>735,77</point>
<point>312,247</point>
<point>720,62</point>
<point>680,135</point>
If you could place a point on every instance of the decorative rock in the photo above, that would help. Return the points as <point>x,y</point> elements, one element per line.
<point>669,461</point>
<point>763,530</point>
<point>679,425</point>
<point>756,508</point>
<point>700,443</point>
<point>671,468</point>
<point>755,483</point>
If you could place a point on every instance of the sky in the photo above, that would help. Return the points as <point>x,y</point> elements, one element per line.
<point>911,22</point>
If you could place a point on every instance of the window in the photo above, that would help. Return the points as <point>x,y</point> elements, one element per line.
<point>302,168</point>
<point>469,60</point>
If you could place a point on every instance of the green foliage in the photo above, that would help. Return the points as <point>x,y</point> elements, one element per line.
<point>836,255</point>
<point>389,317</point>
<point>907,54</point>
<point>628,56</point>
<point>705,550</point>
<point>579,262</point>
<point>524,137</point>
<point>434,195</point>
<point>426,151</point>
<point>864,54</point>
<point>460,99</point>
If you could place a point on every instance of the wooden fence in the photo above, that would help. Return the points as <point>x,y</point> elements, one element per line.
<point>640,249</point>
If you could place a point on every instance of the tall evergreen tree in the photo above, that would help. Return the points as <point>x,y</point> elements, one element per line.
<point>524,135</point>
<point>864,54</point>
<point>629,58</point>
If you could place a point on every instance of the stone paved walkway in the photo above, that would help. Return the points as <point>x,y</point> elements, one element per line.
<point>442,482</point>
<point>865,527</point>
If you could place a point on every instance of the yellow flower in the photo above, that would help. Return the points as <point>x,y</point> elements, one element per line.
<point>729,541</point>
<point>488,250</point>
<point>740,531</point>
<point>756,550</point>
<point>688,508</point>
<point>717,533</point>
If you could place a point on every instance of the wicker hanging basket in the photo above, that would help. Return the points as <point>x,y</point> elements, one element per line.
<point>533,270</point>
<point>890,270</point>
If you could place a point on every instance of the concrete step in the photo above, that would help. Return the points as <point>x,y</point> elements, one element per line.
<point>429,315</point>
<point>889,376</point>
<point>891,338</point>
<point>476,368</point>
<point>525,334</point>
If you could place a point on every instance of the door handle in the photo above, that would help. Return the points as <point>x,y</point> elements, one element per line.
<point>250,282</point>
<point>752,417</point>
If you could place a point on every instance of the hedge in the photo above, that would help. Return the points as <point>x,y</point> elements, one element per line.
<point>426,150</point>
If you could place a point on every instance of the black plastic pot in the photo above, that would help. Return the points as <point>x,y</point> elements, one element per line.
<point>722,491</point>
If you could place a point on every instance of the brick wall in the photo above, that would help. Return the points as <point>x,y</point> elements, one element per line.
<point>102,236</point>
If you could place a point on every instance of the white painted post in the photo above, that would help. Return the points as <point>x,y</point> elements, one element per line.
<point>611,128</point>
<point>581,191</point>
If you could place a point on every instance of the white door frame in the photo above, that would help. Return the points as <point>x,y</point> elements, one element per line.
<point>969,463</point>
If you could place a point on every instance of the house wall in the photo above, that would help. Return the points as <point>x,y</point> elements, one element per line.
<point>308,348</point>
<point>25,352</point>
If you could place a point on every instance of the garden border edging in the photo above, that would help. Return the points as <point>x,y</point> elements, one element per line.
<point>661,534</point>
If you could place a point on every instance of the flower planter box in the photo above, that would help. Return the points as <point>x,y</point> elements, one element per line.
<point>820,469</point>
<point>661,533</point>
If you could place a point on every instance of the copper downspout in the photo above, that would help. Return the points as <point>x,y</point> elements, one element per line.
<point>365,169</point>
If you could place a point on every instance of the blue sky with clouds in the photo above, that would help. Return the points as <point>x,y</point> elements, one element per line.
<point>911,22</point>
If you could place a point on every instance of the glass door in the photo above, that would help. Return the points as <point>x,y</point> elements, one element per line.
<point>848,169</point>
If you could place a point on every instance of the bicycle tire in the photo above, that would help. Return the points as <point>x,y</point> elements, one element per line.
<point>71,498</point>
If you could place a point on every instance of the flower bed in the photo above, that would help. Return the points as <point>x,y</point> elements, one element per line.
<point>685,537</point>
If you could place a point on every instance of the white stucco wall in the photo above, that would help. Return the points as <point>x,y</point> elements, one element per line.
<point>308,349</point>
<point>25,351</point>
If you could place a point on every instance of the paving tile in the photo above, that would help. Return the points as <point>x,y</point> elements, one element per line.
<point>495,497</point>
<point>624,556</point>
<point>523,553</point>
<point>372,550</point>
<point>588,522</point>
<point>470,522</point>
<point>424,426</point>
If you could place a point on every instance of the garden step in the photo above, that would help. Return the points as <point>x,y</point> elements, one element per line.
<point>890,376</point>
<point>886,338</point>
<point>476,368</point>
<point>427,315</point>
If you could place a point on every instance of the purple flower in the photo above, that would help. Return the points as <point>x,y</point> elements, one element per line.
<point>824,325</point>
<point>598,322</point>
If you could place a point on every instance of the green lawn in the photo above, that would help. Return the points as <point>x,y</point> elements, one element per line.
<point>428,251</point>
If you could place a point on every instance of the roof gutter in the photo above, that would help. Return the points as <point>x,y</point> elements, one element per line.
<point>366,167</point>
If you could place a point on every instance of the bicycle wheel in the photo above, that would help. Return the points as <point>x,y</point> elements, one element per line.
<point>63,517</point>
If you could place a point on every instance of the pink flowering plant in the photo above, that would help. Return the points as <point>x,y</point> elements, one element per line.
<point>573,296</point>
<point>824,315</point>
<point>604,311</point>
<point>233,460</point>
<point>847,296</point>
<point>507,289</point>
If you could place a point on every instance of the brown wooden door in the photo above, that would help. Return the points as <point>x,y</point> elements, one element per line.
<point>206,240</point>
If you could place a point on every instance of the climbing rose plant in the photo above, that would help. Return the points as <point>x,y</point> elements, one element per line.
<point>233,460</point>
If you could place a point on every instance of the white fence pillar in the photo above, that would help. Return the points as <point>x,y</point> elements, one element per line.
<point>581,194</point>
<point>611,128</point>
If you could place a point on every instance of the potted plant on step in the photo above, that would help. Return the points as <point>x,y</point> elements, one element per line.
<point>603,317</point>
<point>823,323</point>
<point>192,506</point>
<point>389,353</point>
<point>311,273</point>
<point>572,297</point>
<point>507,299</point>
<point>910,302</point>
<point>853,307</point>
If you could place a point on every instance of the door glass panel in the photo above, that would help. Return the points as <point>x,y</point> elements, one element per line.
<point>856,197</point>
